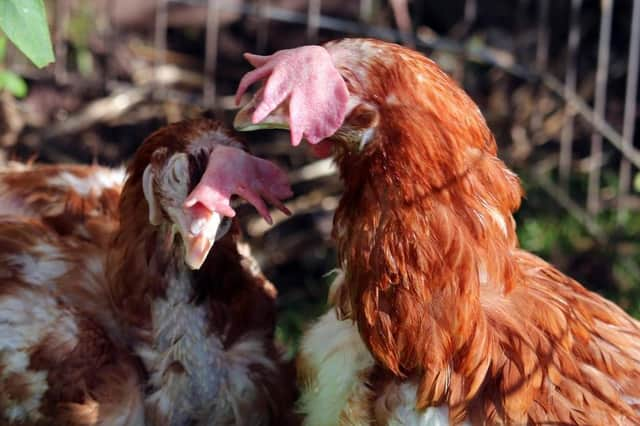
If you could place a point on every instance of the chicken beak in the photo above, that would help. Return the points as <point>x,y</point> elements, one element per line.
<point>203,230</point>
<point>277,119</point>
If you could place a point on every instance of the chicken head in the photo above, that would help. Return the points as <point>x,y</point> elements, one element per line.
<point>190,179</point>
<point>304,92</point>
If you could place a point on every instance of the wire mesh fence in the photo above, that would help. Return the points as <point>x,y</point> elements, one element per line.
<point>406,31</point>
<point>557,82</point>
<point>611,145</point>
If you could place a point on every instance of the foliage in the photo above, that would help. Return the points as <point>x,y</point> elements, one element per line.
<point>9,80</point>
<point>610,267</point>
<point>13,83</point>
<point>25,24</point>
<point>81,25</point>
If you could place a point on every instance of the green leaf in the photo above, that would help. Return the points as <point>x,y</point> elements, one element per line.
<point>636,182</point>
<point>3,47</point>
<point>13,83</point>
<point>25,23</point>
<point>84,59</point>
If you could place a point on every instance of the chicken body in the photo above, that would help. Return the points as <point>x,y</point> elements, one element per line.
<point>63,359</point>
<point>128,333</point>
<point>71,199</point>
<point>439,317</point>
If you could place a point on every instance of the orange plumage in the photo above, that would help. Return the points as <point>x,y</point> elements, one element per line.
<point>117,329</point>
<point>460,323</point>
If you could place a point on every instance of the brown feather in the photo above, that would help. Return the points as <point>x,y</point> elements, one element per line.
<point>79,279</point>
<point>438,288</point>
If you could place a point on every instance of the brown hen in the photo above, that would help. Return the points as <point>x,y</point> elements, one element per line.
<point>438,316</point>
<point>156,327</point>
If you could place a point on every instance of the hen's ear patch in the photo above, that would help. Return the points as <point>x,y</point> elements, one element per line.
<point>155,215</point>
<point>177,170</point>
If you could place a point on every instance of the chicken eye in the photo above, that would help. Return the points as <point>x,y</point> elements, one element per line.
<point>363,116</point>
<point>363,121</point>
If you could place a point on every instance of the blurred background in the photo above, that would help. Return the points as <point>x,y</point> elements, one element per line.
<point>556,81</point>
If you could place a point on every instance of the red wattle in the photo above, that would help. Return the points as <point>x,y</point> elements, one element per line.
<point>322,149</point>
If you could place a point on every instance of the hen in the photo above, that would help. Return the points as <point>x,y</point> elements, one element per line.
<point>156,327</point>
<point>438,316</point>
<point>72,199</point>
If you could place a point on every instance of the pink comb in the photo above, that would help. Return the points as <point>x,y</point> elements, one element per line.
<point>233,171</point>
<point>308,78</point>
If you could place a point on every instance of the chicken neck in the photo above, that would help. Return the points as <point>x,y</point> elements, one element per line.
<point>422,238</point>
<point>155,293</point>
